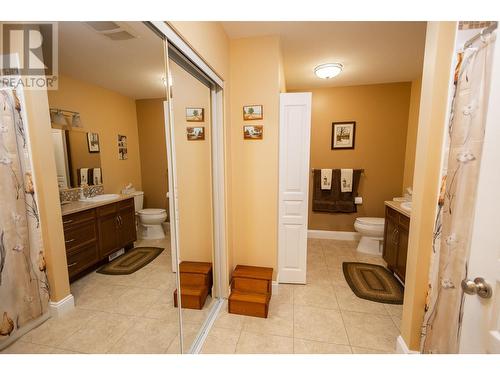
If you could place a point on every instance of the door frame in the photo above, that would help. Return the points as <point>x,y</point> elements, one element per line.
<point>220,261</point>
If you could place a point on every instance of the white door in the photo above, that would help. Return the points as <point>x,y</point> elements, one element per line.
<point>481,319</point>
<point>295,135</point>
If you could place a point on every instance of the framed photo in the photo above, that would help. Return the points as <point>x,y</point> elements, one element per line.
<point>253,112</point>
<point>195,114</point>
<point>93,142</point>
<point>343,135</point>
<point>122,147</point>
<point>195,133</point>
<point>254,132</point>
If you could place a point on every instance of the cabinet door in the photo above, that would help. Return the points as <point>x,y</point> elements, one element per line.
<point>108,234</point>
<point>390,253</point>
<point>126,229</point>
<point>400,269</point>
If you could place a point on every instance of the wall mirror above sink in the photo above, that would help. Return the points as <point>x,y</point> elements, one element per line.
<point>77,155</point>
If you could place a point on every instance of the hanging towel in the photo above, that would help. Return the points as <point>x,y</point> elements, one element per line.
<point>97,176</point>
<point>346,180</point>
<point>84,176</point>
<point>334,200</point>
<point>326,179</point>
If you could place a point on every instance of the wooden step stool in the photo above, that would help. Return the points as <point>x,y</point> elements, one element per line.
<point>251,289</point>
<point>196,283</point>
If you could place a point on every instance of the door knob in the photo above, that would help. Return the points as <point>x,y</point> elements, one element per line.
<point>479,286</point>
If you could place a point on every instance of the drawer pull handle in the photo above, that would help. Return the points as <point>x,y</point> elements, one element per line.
<point>68,241</point>
<point>67,221</point>
<point>72,264</point>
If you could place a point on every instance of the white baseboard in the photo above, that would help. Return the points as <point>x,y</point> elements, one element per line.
<point>63,306</point>
<point>333,235</point>
<point>402,348</point>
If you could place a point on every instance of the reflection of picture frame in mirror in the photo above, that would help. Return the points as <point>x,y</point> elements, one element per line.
<point>195,133</point>
<point>253,112</point>
<point>253,132</point>
<point>195,114</point>
<point>93,142</point>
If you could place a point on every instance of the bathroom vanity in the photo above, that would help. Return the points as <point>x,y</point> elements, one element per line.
<point>93,231</point>
<point>397,225</point>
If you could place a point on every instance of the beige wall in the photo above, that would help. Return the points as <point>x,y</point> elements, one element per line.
<point>381,115</point>
<point>439,48</point>
<point>109,114</point>
<point>255,79</point>
<point>194,169</point>
<point>153,150</point>
<point>411,135</point>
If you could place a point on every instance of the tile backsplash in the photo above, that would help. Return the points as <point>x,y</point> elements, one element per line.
<point>74,194</point>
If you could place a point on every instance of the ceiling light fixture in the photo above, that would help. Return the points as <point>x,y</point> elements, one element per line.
<point>61,116</point>
<point>326,71</point>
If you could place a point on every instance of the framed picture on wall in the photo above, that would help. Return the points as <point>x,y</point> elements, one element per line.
<point>195,114</point>
<point>93,142</point>
<point>122,147</point>
<point>195,133</point>
<point>254,132</point>
<point>253,112</point>
<point>343,135</point>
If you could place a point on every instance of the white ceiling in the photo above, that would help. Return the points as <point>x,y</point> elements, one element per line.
<point>132,67</point>
<point>371,52</point>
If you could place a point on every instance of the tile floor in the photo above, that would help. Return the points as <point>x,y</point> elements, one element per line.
<point>323,316</point>
<point>135,314</point>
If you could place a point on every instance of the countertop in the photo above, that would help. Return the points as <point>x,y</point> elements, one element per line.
<point>77,206</point>
<point>397,206</point>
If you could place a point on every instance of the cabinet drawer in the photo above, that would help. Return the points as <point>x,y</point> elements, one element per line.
<point>76,236</point>
<point>82,259</point>
<point>404,221</point>
<point>391,213</point>
<point>75,219</point>
<point>129,203</point>
<point>107,210</point>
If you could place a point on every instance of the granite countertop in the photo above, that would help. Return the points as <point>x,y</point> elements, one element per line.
<point>77,206</point>
<point>397,206</point>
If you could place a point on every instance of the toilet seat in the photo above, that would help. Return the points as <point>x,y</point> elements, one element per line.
<point>371,221</point>
<point>152,211</point>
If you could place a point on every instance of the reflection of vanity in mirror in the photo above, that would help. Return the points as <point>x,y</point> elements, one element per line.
<point>78,160</point>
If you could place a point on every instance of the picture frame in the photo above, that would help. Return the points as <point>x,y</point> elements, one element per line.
<point>93,142</point>
<point>195,114</point>
<point>122,147</point>
<point>195,133</point>
<point>253,132</point>
<point>253,112</point>
<point>343,135</point>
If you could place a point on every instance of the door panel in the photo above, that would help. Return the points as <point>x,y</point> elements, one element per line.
<point>126,232</point>
<point>108,234</point>
<point>295,130</point>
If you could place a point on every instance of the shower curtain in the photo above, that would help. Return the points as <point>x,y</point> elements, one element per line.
<point>453,226</point>
<point>24,289</point>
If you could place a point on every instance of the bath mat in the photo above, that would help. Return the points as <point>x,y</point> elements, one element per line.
<point>373,282</point>
<point>131,261</point>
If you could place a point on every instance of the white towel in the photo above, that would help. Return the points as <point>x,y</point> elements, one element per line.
<point>84,176</point>
<point>326,179</point>
<point>97,176</point>
<point>346,180</point>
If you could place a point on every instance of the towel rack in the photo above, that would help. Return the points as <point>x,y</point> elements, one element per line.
<point>362,170</point>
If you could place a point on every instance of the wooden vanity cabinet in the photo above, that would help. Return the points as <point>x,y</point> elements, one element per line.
<point>92,235</point>
<point>395,250</point>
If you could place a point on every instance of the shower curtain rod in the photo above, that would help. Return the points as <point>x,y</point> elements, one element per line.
<point>484,31</point>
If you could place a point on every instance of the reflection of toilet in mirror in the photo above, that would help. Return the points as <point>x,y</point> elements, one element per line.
<point>149,219</point>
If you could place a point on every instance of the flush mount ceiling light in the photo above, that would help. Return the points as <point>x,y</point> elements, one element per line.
<point>326,71</point>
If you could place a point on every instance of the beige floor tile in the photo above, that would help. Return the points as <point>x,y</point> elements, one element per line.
<point>322,296</point>
<point>146,336</point>
<point>366,258</point>
<point>394,310</point>
<point>100,298</point>
<point>348,301</point>
<point>163,311</point>
<point>227,320</point>
<point>397,322</point>
<point>357,350</point>
<point>319,325</point>
<point>258,343</point>
<point>190,331</point>
<point>100,333</point>
<point>279,321</point>
<point>221,341</point>
<point>21,347</point>
<point>301,346</point>
<point>284,295</point>
<point>135,301</point>
<point>370,330</point>
<point>55,330</point>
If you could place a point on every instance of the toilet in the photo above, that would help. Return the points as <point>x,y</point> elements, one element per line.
<point>149,219</point>
<point>371,230</point>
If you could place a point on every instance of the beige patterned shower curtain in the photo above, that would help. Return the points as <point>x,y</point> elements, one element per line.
<point>453,228</point>
<point>24,290</point>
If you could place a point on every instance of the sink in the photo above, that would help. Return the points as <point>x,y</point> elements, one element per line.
<point>406,206</point>
<point>101,198</point>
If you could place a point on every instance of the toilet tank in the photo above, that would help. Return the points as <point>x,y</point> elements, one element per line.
<point>138,200</point>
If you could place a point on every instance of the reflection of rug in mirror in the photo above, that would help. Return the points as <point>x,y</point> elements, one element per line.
<point>373,282</point>
<point>131,261</point>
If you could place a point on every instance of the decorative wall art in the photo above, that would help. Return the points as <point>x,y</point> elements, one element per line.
<point>93,142</point>
<point>343,135</point>
<point>195,114</point>
<point>254,132</point>
<point>253,112</point>
<point>122,147</point>
<point>195,133</point>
